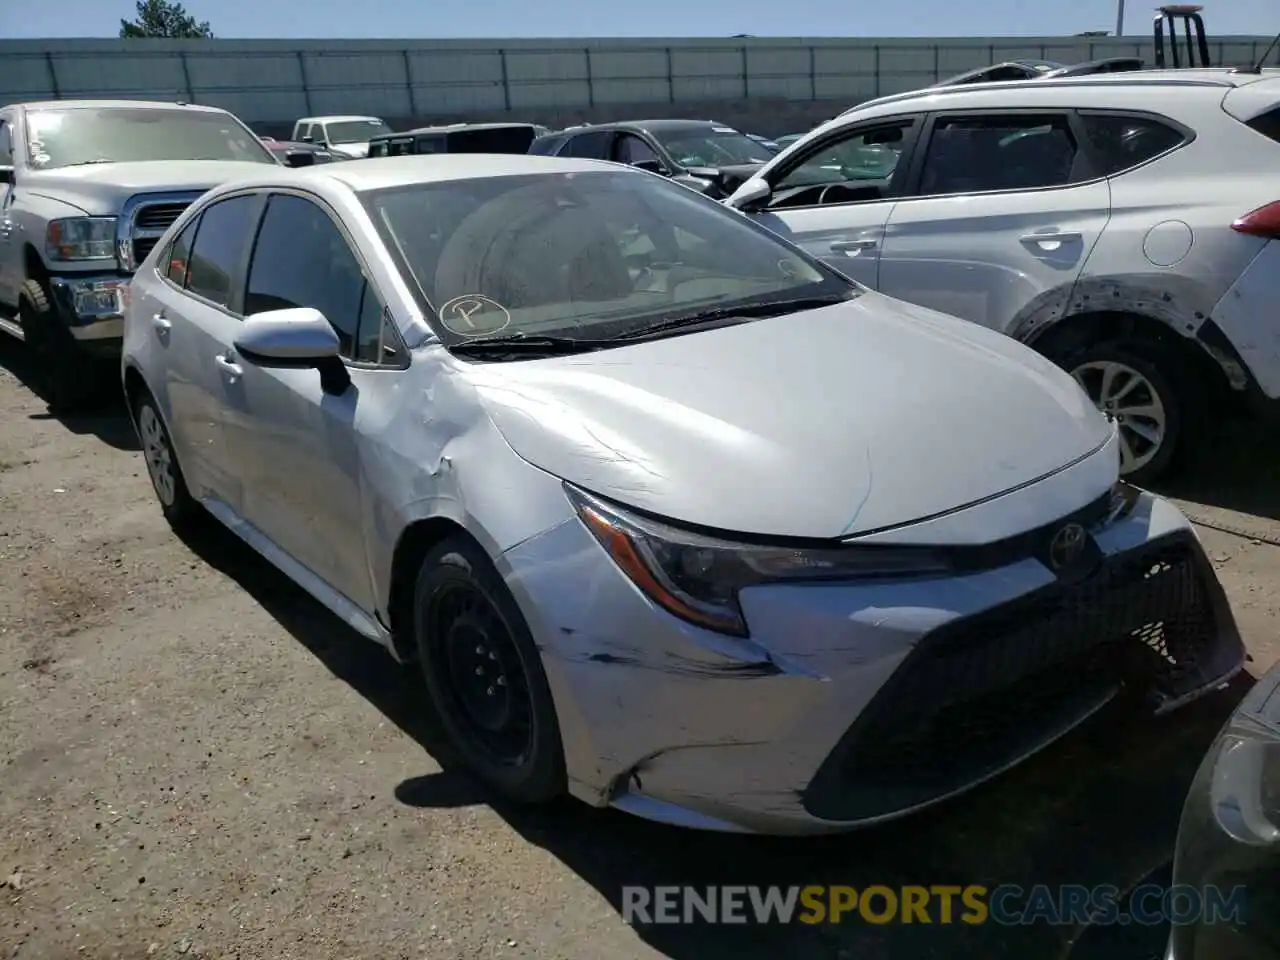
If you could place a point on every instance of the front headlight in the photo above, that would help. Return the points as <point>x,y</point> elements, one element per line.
<point>698,576</point>
<point>81,238</point>
<point>1244,791</point>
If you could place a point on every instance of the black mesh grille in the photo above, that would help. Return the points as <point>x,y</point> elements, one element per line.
<point>978,694</point>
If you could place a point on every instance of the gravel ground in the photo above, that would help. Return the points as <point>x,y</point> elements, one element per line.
<point>196,759</point>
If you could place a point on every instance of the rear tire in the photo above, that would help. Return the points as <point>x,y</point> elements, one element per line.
<point>64,374</point>
<point>1141,384</point>
<point>180,509</point>
<point>484,674</point>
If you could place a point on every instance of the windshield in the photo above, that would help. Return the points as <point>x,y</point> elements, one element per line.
<point>714,147</point>
<point>80,135</point>
<point>355,131</point>
<point>593,255</point>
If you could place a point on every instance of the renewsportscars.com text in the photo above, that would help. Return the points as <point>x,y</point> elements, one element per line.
<point>936,904</point>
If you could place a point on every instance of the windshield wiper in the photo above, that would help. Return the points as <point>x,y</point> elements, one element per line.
<point>524,343</point>
<point>720,316</point>
<point>88,163</point>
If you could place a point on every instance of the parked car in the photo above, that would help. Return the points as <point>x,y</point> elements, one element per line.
<point>770,145</point>
<point>301,154</point>
<point>347,136</point>
<point>1110,234</point>
<point>707,156</point>
<point>584,443</point>
<point>456,138</point>
<point>1226,860</point>
<point>86,189</point>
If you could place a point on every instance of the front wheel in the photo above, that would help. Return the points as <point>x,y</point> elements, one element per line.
<point>63,371</point>
<point>1135,385</point>
<point>484,674</point>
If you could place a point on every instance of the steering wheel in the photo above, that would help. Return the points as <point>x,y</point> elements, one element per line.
<point>822,194</point>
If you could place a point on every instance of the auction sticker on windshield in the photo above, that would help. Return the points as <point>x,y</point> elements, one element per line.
<point>474,315</point>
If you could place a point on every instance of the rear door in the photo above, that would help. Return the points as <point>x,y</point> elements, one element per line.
<point>193,319</point>
<point>1001,211</point>
<point>834,197</point>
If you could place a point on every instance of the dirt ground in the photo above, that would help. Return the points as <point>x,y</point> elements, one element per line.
<point>196,759</point>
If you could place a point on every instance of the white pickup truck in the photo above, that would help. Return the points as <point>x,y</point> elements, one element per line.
<point>87,187</point>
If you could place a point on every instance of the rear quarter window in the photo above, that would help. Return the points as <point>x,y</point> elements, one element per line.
<point>1267,124</point>
<point>1119,143</point>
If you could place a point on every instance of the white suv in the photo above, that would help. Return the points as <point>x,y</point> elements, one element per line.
<point>1119,224</point>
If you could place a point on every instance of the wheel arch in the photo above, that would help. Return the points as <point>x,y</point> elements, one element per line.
<point>1072,333</point>
<point>413,544</point>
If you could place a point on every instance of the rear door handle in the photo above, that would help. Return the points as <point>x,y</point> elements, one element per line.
<point>230,369</point>
<point>851,246</point>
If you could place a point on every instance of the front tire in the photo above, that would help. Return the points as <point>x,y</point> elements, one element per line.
<point>179,507</point>
<point>1137,384</point>
<point>484,674</point>
<point>63,372</point>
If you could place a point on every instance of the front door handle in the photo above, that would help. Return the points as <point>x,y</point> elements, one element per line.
<point>1050,241</point>
<point>162,324</point>
<point>230,369</point>
<point>852,246</point>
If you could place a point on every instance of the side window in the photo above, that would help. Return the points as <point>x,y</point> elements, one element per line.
<point>219,246</point>
<point>301,259</point>
<point>1005,152</point>
<point>1120,143</point>
<point>631,149</point>
<point>180,254</point>
<point>376,342</point>
<point>6,144</point>
<point>590,146</point>
<point>867,157</point>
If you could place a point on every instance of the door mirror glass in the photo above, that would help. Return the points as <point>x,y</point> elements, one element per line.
<point>751,195</point>
<point>296,337</point>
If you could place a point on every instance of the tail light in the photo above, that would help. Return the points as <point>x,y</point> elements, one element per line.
<point>1263,222</point>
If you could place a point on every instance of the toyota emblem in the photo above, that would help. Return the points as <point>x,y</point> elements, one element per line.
<point>1066,546</point>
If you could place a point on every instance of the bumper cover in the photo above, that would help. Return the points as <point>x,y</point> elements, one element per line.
<point>855,703</point>
<point>92,308</point>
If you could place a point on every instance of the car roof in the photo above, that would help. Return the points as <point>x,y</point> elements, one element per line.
<point>658,125</point>
<point>454,128</point>
<point>382,172</point>
<point>1063,91</point>
<point>336,118</point>
<point>130,104</point>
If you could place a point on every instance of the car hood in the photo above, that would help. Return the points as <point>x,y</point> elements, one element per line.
<point>355,150</point>
<point>100,189</point>
<point>826,423</point>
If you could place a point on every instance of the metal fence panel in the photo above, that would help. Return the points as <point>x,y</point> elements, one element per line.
<point>276,81</point>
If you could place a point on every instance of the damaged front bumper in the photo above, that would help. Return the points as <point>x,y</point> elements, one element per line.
<point>857,703</point>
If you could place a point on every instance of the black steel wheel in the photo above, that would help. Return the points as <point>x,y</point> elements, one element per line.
<point>484,674</point>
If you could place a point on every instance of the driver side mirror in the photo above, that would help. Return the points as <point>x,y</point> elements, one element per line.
<point>751,196</point>
<point>6,174</point>
<point>295,338</point>
<point>299,158</point>
<point>307,139</point>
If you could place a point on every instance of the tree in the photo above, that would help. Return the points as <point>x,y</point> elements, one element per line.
<point>159,18</point>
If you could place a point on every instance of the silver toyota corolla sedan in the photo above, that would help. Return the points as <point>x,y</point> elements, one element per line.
<point>670,515</point>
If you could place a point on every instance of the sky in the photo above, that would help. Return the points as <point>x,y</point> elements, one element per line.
<point>634,18</point>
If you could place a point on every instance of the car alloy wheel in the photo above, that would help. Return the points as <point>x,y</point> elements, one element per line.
<point>1136,405</point>
<point>158,454</point>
